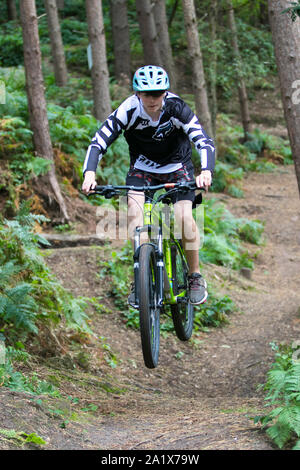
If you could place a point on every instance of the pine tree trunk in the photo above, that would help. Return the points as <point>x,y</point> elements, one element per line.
<point>160,17</point>
<point>200,91</point>
<point>11,10</point>
<point>173,12</point>
<point>36,98</point>
<point>121,39</point>
<point>57,47</point>
<point>286,39</point>
<point>100,74</point>
<point>242,90</point>
<point>148,32</point>
<point>213,65</point>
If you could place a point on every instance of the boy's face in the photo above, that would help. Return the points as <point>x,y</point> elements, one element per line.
<point>152,100</point>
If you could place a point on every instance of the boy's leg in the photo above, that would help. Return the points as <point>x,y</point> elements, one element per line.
<point>188,229</point>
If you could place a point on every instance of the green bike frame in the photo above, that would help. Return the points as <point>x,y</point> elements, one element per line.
<point>165,294</point>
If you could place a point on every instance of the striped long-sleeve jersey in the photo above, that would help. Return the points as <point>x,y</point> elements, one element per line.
<point>159,146</point>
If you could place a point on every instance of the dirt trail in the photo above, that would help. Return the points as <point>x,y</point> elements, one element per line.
<point>204,397</point>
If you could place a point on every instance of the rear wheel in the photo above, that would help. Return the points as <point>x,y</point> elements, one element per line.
<point>149,311</point>
<point>183,311</point>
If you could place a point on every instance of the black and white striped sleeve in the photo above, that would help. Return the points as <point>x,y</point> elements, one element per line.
<point>202,142</point>
<point>108,133</point>
<point>189,122</point>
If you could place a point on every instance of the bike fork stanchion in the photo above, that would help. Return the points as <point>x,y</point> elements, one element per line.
<point>136,263</point>
<point>160,268</point>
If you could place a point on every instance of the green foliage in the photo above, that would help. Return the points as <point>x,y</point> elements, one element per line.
<point>214,312</point>
<point>226,178</point>
<point>29,293</point>
<point>223,234</point>
<point>119,270</point>
<point>259,153</point>
<point>283,394</point>
<point>257,56</point>
<point>70,131</point>
<point>22,437</point>
<point>11,45</point>
<point>15,380</point>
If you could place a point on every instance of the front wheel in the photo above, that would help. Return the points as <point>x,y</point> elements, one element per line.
<point>183,311</point>
<point>149,311</point>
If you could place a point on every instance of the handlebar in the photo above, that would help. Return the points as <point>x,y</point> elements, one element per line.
<point>109,191</point>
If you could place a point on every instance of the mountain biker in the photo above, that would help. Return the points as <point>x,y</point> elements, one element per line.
<point>159,128</point>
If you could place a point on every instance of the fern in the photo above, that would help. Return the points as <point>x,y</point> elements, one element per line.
<point>16,380</point>
<point>283,386</point>
<point>29,293</point>
<point>223,234</point>
<point>18,307</point>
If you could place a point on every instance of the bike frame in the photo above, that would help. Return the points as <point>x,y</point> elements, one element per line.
<point>163,256</point>
<point>162,246</point>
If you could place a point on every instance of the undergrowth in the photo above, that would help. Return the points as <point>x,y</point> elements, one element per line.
<point>224,234</point>
<point>34,306</point>
<point>282,423</point>
<point>29,293</point>
<point>17,380</point>
<point>262,153</point>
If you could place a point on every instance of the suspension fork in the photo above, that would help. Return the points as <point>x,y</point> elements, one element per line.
<point>160,267</point>
<point>156,233</point>
<point>159,261</point>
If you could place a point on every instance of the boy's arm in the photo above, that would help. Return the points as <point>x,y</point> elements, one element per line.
<point>189,122</point>
<point>104,137</point>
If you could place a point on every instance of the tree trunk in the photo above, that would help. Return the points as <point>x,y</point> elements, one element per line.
<point>57,47</point>
<point>160,17</point>
<point>100,74</point>
<point>121,39</point>
<point>243,97</point>
<point>173,13</point>
<point>213,65</point>
<point>200,92</point>
<point>148,32</point>
<point>286,39</point>
<point>11,10</point>
<point>36,98</point>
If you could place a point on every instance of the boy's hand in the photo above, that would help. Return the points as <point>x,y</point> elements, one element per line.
<point>204,179</point>
<point>89,181</point>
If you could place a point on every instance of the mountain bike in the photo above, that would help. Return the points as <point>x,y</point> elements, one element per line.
<point>160,268</point>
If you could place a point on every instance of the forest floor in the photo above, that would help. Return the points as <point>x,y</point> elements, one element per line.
<point>204,393</point>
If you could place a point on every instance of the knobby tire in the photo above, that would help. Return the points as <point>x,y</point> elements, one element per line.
<point>182,312</point>
<point>149,312</point>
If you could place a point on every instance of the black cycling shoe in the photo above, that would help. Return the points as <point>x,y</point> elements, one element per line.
<point>197,289</point>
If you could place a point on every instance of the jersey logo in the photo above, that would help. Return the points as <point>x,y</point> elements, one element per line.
<point>163,131</point>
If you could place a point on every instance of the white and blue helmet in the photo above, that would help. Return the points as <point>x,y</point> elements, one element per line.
<point>150,78</point>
